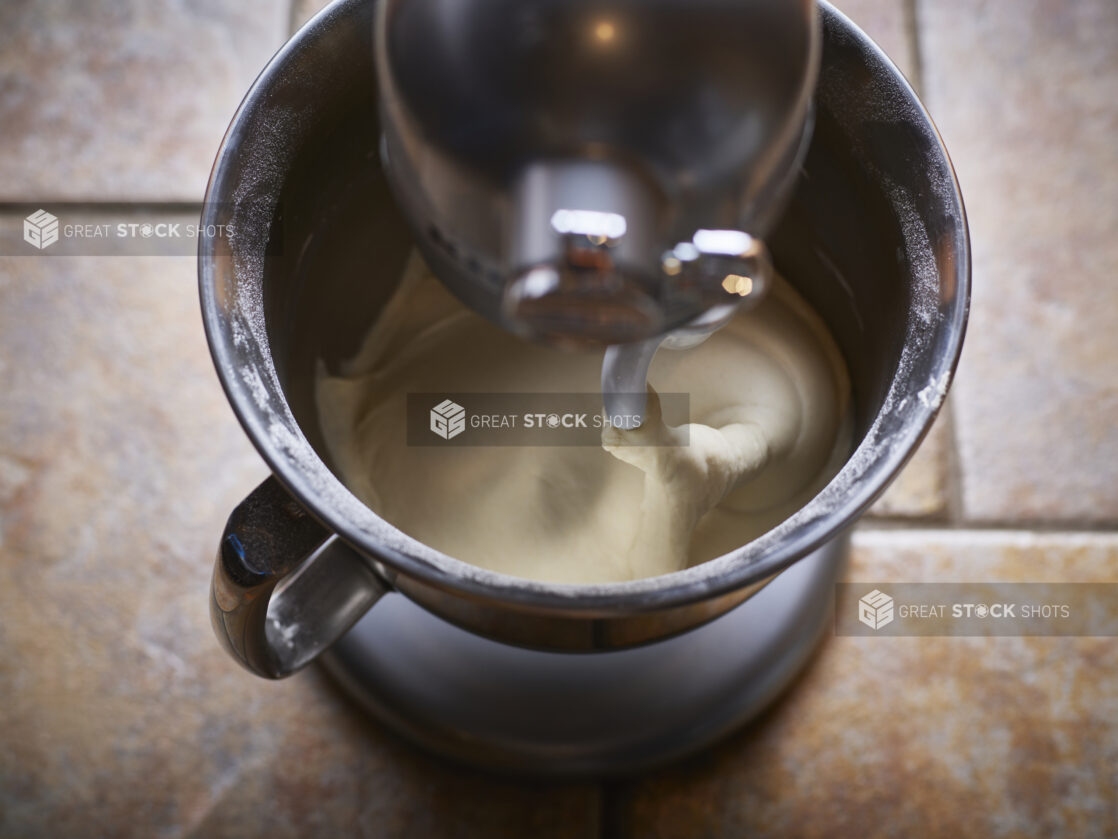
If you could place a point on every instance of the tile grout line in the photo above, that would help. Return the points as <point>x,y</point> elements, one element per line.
<point>912,36</point>
<point>19,208</point>
<point>953,480</point>
<point>953,513</point>
<point>1006,527</point>
<point>292,17</point>
<point>953,469</point>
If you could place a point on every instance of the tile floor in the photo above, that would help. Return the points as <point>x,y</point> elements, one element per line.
<point>119,459</point>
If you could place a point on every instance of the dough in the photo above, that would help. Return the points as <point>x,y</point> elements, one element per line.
<point>769,396</point>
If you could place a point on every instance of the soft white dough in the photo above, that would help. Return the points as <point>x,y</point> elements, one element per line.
<point>769,400</point>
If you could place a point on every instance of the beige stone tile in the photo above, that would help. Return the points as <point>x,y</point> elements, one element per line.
<point>886,22</point>
<point>1024,94</point>
<point>120,716</point>
<point>930,737</point>
<point>921,490</point>
<point>124,99</point>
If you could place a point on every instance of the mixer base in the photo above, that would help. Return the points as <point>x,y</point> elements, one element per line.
<point>507,708</point>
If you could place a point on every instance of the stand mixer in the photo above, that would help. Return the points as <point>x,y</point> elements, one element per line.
<point>603,174</point>
<point>598,172</point>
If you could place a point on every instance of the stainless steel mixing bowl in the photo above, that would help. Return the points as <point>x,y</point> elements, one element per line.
<point>875,238</point>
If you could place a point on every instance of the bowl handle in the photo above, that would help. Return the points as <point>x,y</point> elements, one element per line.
<point>326,585</point>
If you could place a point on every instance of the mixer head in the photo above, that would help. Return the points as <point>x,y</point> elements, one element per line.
<point>595,171</point>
